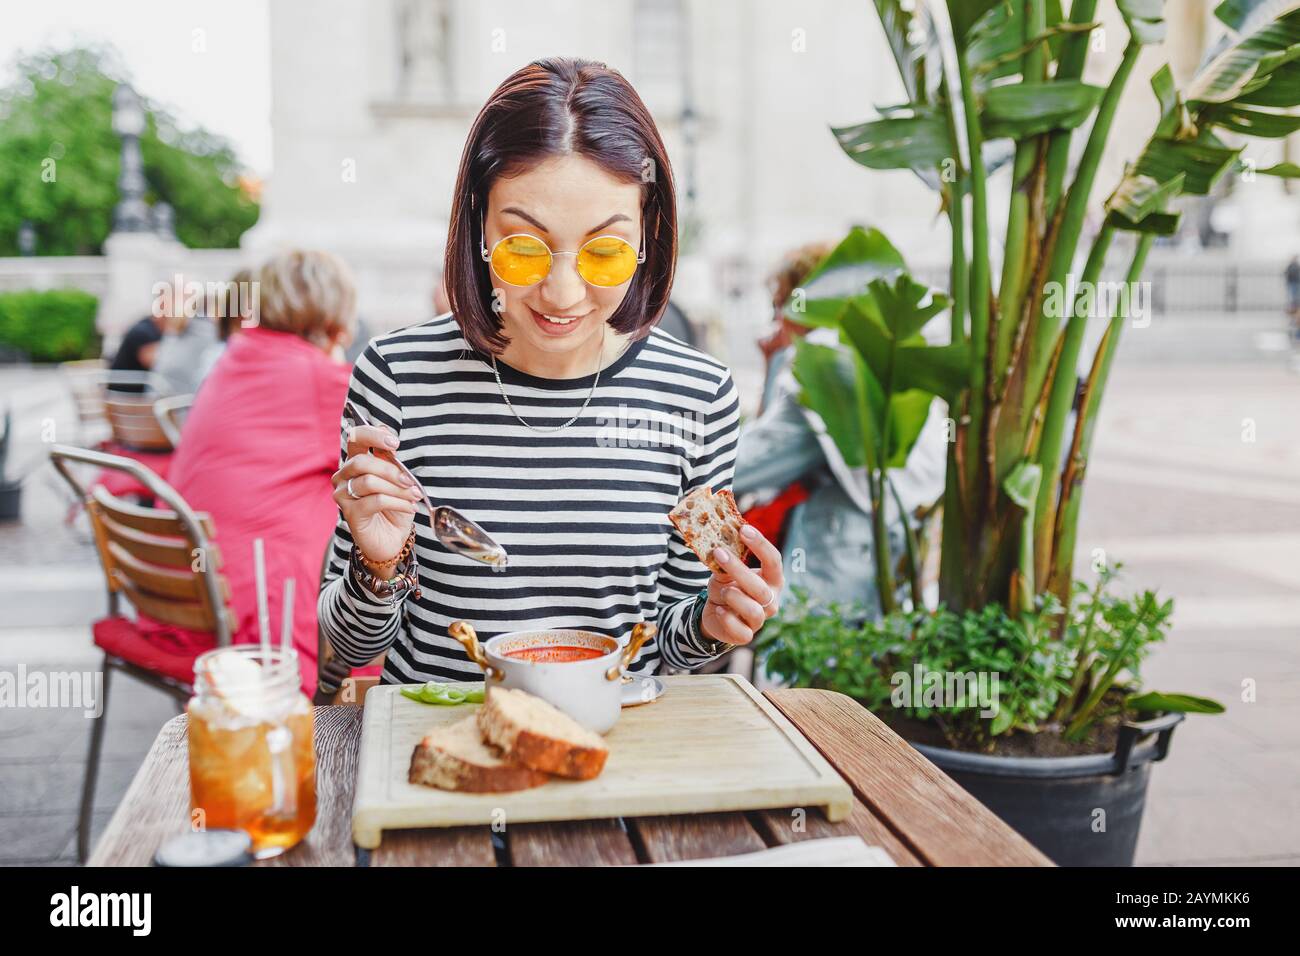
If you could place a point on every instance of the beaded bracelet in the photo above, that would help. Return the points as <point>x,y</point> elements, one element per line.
<point>393,587</point>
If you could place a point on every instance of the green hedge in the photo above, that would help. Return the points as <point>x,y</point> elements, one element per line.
<point>53,326</point>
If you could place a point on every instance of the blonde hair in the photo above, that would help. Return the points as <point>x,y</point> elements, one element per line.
<point>308,293</point>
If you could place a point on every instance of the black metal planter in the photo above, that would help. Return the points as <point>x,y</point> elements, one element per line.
<point>1053,802</point>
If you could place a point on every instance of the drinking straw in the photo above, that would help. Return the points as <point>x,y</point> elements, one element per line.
<point>263,611</point>
<point>286,621</point>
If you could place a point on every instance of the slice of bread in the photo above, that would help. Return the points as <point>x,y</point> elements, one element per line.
<point>709,521</point>
<point>540,736</point>
<point>455,757</point>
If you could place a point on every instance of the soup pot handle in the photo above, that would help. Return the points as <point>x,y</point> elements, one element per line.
<point>640,634</point>
<point>463,631</point>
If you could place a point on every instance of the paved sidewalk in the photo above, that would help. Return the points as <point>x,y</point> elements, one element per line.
<point>1196,488</point>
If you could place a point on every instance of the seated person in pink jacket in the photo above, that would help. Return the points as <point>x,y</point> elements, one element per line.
<point>262,440</point>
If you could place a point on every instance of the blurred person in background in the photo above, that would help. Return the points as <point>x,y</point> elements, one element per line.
<point>262,440</point>
<point>191,345</point>
<point>796,487</point>
<point>795,266</point>
<point>138,350</point>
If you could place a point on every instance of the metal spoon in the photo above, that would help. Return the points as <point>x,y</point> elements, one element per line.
<point>453,530</point>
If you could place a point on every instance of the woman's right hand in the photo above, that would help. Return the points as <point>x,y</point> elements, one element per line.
<point>380,505</point>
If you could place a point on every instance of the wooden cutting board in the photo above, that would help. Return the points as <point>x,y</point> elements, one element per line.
<point>710,743</point>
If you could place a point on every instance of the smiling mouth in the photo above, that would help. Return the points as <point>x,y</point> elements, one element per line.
<point>556,324</point>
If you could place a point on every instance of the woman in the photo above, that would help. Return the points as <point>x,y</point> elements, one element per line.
<point>261,441</point>
<point>525,406</point>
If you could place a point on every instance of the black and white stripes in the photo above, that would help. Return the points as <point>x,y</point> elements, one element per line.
<point>582,512</point>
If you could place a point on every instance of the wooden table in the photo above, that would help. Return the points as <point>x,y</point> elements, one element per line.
<point>904,804</point>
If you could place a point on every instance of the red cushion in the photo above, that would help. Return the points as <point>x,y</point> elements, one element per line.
<point>120,484</point>
<point>156,648</point>
<point>770,518</point>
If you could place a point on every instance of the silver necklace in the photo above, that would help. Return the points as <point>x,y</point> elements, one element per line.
<point>553,428</point>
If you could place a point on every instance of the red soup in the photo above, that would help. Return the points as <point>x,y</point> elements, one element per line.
<point>555,654</point>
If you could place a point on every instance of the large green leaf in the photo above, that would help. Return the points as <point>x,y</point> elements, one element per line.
<point>863,255</point>
<point>1279,88</point>
<point>905,306</point>
<point>902,21</point>
<point>832,387</point>
<point>1201,163</point>
<point>1175,122</point>
<point>1136,196</point>
<point>1261,30</point>
<point>964,14</point>
<point>906,363</point>
<point>920,141</point>
<point>1017,110</point>
<point>1250,122</point>
<point>907,414</point>
<point>998,43</point>
<point>1283,170</point>
<point>1156,223</point>
<point>1173,703</point>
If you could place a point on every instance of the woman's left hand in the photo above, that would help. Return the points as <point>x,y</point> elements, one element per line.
<point>742,598</point>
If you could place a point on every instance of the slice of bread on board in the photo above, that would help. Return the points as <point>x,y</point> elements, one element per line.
<point>707,521</point>
<point>536,734</point>
<point>455,757</point>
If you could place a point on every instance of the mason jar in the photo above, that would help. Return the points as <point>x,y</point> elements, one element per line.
<point>252,753</point>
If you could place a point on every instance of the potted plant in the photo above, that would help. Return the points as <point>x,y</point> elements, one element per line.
<point>997,84</point>
<point>11,490</point>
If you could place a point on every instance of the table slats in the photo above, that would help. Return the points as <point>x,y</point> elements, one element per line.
<point>696,836</point>
<point>578,843</point>
<point>780,827</point>
<point>452,846</point>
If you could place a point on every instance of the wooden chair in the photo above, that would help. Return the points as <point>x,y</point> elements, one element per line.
<point>164,562</point>
<point>92,383</point>
<point>170,414</point>
<point>134,423</point>
<point>86,383</point>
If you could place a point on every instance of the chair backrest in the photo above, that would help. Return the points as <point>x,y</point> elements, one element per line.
<point>163,560</point>
<point>170,412</point>
<point>86,383</point>
<point>134,423</point>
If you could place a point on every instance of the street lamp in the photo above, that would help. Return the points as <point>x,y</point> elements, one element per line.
<point>26,239</point>
<point>132,213</point>
<point>163,220</point>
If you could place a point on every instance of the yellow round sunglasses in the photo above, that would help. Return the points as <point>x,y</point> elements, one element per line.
<point>520,259</point>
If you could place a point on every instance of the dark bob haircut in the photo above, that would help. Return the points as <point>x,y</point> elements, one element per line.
<point>549,108</point>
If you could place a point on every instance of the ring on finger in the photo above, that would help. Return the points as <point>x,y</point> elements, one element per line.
<point>770,601</point>
<point>350,491</point>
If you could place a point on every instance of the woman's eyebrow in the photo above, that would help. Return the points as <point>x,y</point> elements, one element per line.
<point>516,211</point>
<point>617,217</point>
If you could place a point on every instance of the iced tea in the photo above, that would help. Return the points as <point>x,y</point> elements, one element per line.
<point>252,753</point>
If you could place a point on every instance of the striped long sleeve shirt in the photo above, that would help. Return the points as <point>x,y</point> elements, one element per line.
<point>582,512</point>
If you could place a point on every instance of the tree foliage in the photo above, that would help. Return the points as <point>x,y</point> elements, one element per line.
<point>59,162</point>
